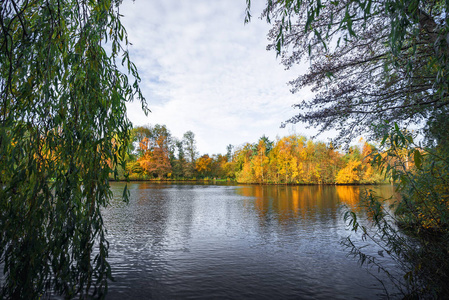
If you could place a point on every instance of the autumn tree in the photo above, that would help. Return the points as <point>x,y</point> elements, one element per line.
<point>242,163</point>
<point>286,160</point>
<point>350,173</point>
<point>260,160</point>
<point>220,166</point>
<point>370,174</point>
<point>154,160</point>
<point>203,165</point>
<point>154,149</point>
<point>63,94</point>
<point>330,162</point>
<point>227,164</point>
<point>139,134</point>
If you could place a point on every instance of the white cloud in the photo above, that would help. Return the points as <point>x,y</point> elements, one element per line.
<point>203,70</point>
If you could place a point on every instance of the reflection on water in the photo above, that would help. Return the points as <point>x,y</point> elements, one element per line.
<point>349,195</point>
<point>229,242</point>
<point>287,202</point>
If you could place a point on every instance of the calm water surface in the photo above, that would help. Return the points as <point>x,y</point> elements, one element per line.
<point>234,242</point>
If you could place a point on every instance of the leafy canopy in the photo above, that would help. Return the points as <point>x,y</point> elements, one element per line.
<point>371,62</point>
<point>63,130</point>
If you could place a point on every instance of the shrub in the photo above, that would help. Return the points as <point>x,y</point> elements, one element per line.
<point>413,231</point>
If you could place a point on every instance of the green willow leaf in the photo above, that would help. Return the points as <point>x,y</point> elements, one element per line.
<point>417,158</point>
<point>62,111</point>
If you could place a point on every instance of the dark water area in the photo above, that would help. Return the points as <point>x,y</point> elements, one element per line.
<point>186,241</point>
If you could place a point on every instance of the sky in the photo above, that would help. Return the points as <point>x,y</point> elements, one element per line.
<point>204,70</point>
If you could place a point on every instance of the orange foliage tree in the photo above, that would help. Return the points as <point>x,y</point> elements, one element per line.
<point>155,157</point>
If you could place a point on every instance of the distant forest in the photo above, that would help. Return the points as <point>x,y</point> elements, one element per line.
<point>157,155</point>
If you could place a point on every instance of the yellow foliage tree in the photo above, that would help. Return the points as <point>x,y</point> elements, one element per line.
<point>350,173</point>
<point>260,162</point>
<point>245,174</point>
<point>203,165</point>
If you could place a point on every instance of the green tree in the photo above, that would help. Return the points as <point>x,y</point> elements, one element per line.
<point>62,104</point>
<point>229,152</point>
<point>180,164</point>
<point>191,151</point>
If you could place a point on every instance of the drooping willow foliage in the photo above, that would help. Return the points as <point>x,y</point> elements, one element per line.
<point>63,130</point>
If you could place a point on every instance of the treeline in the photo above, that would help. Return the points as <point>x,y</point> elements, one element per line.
<point>157,155</point>
<point>297,160</point>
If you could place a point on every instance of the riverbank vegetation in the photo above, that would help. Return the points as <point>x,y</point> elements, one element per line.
<point>294,159</point>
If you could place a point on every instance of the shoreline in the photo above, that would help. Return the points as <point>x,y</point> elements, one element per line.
<point>224,181</point>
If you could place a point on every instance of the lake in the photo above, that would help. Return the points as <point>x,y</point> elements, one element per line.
<point>192,241</point>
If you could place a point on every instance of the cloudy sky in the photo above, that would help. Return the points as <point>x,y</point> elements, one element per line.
<point>203,70</point>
